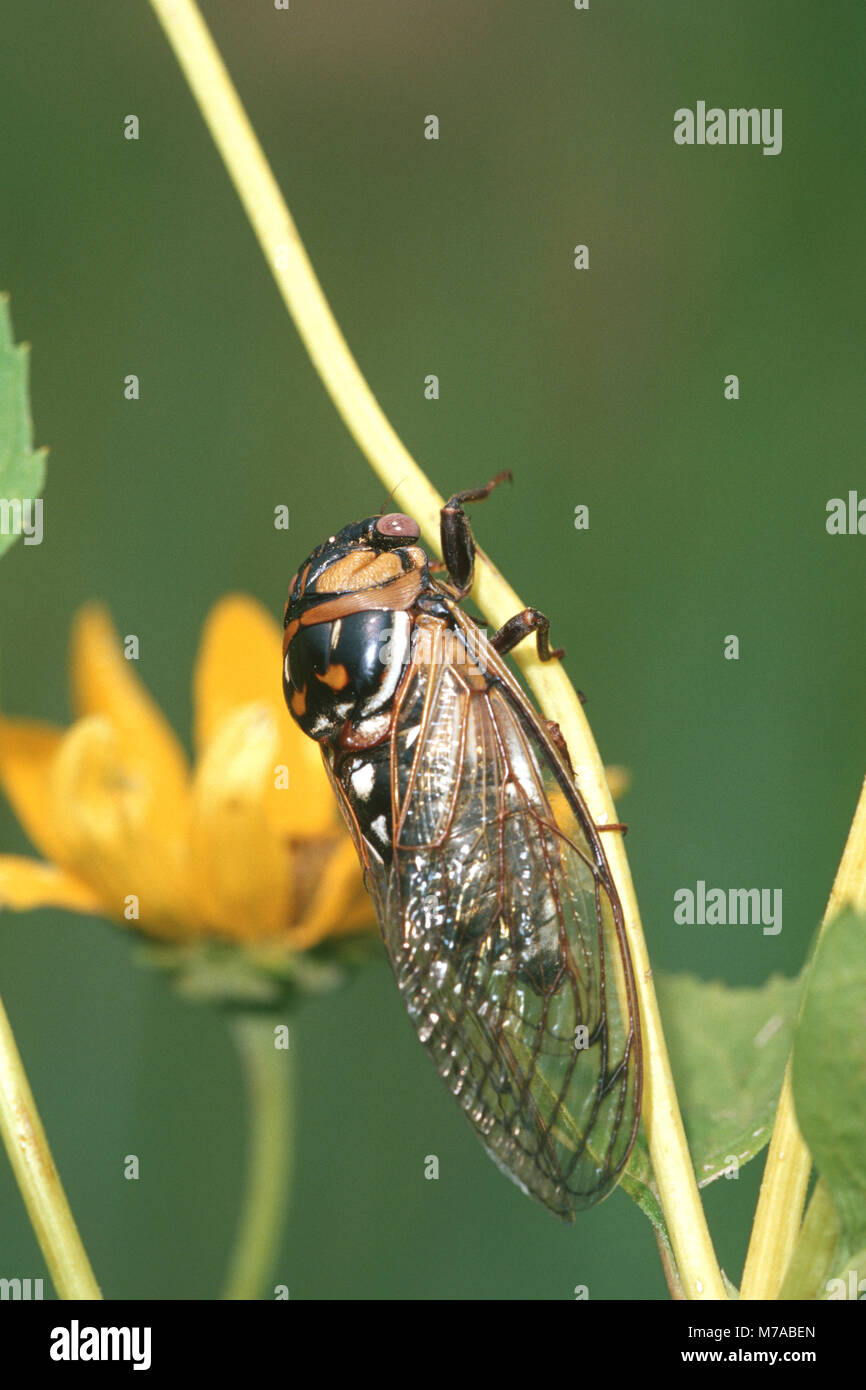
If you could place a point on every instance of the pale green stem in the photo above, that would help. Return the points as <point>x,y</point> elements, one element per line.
<point>268,1072</point>
<point>305,300</point>
<point>37,1177</point>
<point>811,1262</point>
<point>786,1172</point>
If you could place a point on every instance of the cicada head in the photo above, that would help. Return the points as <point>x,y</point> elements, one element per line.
<point>346,637</point>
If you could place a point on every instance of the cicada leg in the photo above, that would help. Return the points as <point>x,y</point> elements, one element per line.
<point>458,543</point>
<point>520,626</point>
<point>458,551</point>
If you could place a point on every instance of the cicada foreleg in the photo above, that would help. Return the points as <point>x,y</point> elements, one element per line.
<point>458,543</point>
<point>458,551</point>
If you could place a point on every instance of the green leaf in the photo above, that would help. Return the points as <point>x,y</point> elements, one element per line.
<point>817,1252</point>
<point>829,1069</point>
<point>728,1050</point>
<point>22,471</point>
<point>638,1182</point>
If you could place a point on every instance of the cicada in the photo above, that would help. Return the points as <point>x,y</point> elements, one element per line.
<point>494,897</point>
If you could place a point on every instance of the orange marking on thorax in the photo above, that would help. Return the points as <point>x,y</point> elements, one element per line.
<point>337,677</point>
<point>400,594</point>
<point>362,569</point>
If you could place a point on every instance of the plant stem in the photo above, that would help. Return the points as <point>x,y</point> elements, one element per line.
<point>37,1177</point>
<point>786,1173</point>
<point>305,300</point>
<point>268,1075</point>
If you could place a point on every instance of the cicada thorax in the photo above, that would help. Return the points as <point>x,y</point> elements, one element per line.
<point>345,670</point>
<point>346,637</point>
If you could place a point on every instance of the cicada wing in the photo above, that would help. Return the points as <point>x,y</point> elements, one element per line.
<point>505,936</point>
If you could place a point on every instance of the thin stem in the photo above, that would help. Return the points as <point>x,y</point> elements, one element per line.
<point>305,300</point>
<point>786,1173</point>
<point>268,1075</point>
<point>37,1177</point>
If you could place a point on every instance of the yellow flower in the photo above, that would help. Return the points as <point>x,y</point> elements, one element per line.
<point>223,852</point>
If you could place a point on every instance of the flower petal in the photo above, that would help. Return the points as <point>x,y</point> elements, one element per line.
<point>107,815</point>
<point>340,905</point>
<point>240,864</point>
<point>239,663</point>
<point>104,683</point>
<point>26,883</point>
<point>27,751</point>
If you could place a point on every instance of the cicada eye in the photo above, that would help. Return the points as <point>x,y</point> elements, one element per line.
<point>396,526</point>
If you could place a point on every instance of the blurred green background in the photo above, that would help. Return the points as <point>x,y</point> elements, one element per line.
<point>603,387</point>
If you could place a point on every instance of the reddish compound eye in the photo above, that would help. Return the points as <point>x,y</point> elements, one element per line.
<point>395,524</point>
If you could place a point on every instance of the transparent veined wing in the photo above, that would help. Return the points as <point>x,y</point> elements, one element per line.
<point>503,927</point>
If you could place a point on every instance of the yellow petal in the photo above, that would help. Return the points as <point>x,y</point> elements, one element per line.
<point>240,663</point>
<point>26,883</point>
<point>27,751</point>
<point>107,816</point>
<point>239,862</point>
<point>340,905</point>
<point>105,683</point>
